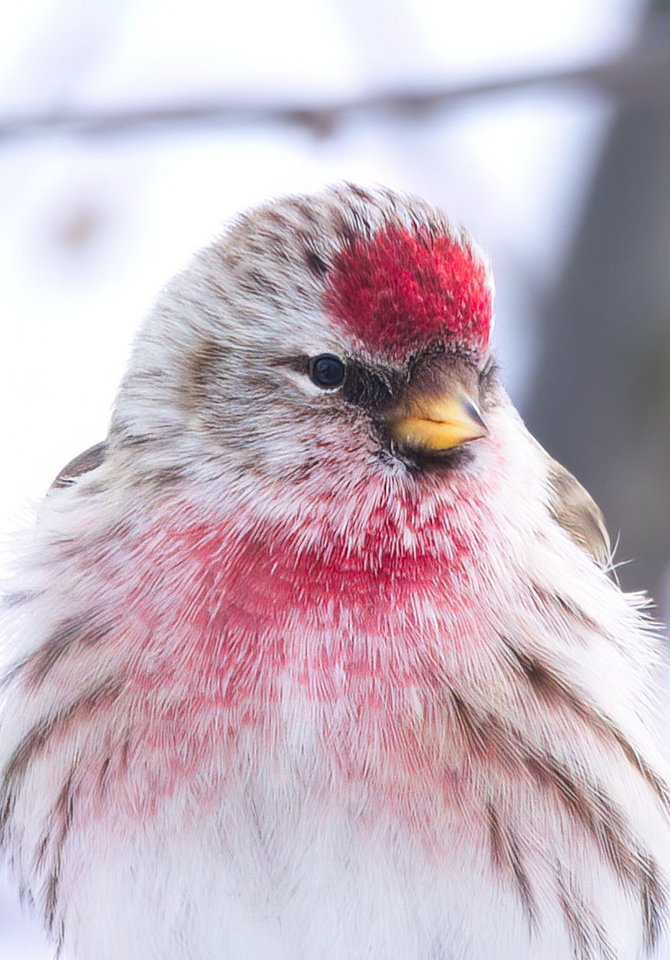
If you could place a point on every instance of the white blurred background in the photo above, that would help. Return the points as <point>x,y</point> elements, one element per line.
<point>131,131</point>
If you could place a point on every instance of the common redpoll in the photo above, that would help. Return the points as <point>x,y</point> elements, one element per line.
<point>319,656</point>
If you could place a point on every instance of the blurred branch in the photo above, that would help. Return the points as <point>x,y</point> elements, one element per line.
<point>640,73</point>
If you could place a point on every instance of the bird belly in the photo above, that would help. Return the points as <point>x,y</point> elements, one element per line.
<point>282,858</point>
<point>308,882</point>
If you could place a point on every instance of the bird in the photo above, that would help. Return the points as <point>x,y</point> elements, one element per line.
<point>320,655</point>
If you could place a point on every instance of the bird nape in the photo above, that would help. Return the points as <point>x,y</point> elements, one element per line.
<point>318,654</point>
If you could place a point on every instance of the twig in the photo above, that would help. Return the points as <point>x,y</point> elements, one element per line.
<point>640,73</point>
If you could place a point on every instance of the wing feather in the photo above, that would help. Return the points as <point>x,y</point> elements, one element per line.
<point>575,510</point>
<point>86,461</point>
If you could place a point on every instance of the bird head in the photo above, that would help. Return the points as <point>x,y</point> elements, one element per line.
<point>348,330</point>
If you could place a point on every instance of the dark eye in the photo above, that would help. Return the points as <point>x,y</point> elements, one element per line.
<point>327,371</point>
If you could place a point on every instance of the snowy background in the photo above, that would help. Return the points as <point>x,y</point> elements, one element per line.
<point>130,132</point>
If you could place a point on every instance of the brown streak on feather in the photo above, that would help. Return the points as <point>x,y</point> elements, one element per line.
<point>103,775</point>
<point>200,369</point>
<point>591,808</point>
<point>552,687</point>
<point>654,900</point>
<point>41,851</point>
<point>587,936</point>
<point>51,899</point>
<point>315,263</point>
<point>546,599</point>
<point>360,192</point>
<point>165,476</point>
<point>38,737</point>
<point>346,233</point>
<point>60,827</point>
<point>579,938</point>
<point>82,630</point>
<point>468,723</point>
<point>306,212</point>
<point>17,599</point>
<point>506,854</point>
<point>584,800</point>
<point>658,785</point>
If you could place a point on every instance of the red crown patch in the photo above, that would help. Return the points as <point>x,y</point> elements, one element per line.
<point>402,290</point>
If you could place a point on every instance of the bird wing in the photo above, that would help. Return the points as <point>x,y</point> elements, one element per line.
<point>88,460</point>
<point>575,510</point>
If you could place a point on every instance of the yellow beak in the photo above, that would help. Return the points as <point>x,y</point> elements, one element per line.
<point>437,423</point>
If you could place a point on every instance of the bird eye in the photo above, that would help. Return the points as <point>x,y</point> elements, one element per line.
<point>327,371</point>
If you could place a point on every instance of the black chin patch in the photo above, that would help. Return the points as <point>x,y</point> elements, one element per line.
<point>419,461</point>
